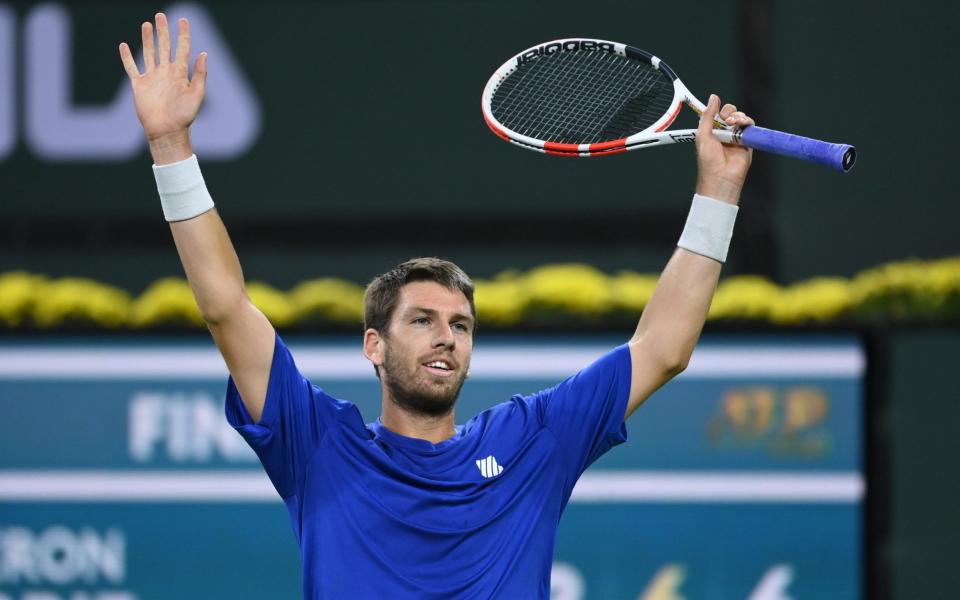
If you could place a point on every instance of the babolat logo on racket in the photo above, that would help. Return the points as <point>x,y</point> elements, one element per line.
<point>566,46</point>
<point>683,137</point>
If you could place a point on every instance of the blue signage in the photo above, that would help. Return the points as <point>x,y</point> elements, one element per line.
<point>743,478</point>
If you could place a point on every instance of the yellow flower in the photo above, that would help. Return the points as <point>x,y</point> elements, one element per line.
<point>166,300</point>
<point>941,279</point>
<point>910,288</point>
<point>333,299</point>
<point>74,298</point>
<point>501,301</point>
<point>744,297</point>
<point>273,303</point>
<point>576,288</point>
<point>632,291</point>
<point>819,299</point>
<point>18,293</point>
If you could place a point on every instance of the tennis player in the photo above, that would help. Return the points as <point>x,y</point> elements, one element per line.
<point>414,505</point>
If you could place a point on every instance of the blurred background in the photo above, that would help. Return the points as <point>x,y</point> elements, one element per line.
<point>340,138</point>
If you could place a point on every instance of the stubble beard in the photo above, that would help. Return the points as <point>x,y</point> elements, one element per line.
<point>415,397</point>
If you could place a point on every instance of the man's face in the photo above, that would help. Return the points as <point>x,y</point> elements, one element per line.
<point>426,353</point>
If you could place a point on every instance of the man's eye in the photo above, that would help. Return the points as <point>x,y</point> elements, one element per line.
<point>422,321</point>
<point>461,327</point>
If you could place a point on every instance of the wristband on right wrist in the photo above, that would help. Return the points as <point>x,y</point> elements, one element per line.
<point>709,227</point>
<point>183,193</point>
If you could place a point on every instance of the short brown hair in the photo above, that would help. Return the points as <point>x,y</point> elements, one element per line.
<point>380,298</point>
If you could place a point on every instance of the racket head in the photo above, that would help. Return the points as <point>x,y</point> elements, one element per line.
<point>582,97</point>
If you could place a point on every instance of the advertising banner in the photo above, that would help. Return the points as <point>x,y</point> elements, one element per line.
<point>743,478</point>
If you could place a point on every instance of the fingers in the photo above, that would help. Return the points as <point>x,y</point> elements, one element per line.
<point>731,116</point>
<point>199,82</point>
<point>741,119</point>
<point>707,117</point>
<point>149,55</point>
<point>183,43</point>
<point>129,65</point>
<point>163,39</point>
<point>161,54</point>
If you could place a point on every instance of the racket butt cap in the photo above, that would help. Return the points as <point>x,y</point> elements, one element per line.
<point>849,159</point>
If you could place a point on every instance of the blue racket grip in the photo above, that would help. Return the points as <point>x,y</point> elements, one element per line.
<point>839,156</point>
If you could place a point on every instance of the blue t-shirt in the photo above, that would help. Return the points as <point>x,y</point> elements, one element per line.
<point>380,515</point>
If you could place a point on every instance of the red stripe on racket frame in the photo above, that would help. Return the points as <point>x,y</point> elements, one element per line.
<point>612,151</point>
<point>495,129</point>
<point>672,117</point>
<point>616,150</point>
<point>607,146</point>
<point>554,147</point>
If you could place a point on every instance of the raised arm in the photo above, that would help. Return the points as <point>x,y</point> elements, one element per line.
<point>673,319</point>
<point>167,102</point>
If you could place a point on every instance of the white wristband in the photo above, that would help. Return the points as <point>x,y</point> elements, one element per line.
<point>183,194</point>
<point>709,227</point>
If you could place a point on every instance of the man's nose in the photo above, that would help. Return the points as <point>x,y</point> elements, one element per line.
<point>444,337</point>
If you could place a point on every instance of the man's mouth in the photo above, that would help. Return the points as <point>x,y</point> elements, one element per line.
<point>440,368</point>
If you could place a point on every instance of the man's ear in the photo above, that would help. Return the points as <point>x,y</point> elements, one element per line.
<point>373,346</point>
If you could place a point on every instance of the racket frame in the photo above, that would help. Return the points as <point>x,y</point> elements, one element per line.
<point>653,135</point>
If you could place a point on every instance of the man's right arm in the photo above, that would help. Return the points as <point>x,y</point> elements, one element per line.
<point>167,102</point>
<point>243,334</point>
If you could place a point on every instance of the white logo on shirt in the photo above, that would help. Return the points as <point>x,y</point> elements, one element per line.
<point>488,467</point>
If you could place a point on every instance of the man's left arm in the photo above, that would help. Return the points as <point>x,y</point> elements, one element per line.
<point>673,318</point>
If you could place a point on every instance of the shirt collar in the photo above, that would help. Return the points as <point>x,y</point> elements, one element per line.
<point>416,444</point>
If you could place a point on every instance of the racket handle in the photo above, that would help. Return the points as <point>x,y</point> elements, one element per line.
<point>839,156</point>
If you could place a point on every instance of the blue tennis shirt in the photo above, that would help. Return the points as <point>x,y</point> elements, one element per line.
<point>380,515</point>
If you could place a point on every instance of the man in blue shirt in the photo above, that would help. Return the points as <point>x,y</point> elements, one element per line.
<point>413,505</point>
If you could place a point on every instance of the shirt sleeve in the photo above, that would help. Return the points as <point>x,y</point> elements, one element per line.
<point>585,412</point>
<point>296,415</point>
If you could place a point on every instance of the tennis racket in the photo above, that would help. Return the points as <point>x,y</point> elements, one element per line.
<point>586,97</point>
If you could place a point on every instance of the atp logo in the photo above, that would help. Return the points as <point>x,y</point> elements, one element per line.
<point>788,421</point>
<point>57,130</point>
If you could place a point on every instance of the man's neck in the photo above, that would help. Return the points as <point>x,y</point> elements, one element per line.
<point>424,427</point>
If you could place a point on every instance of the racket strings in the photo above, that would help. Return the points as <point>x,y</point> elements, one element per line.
<point>581,97</point>
<point>592,103</point>
<point>564,121</point>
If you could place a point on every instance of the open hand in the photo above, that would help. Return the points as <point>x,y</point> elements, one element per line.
<point>722,167</point>
<point>167,101</point>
